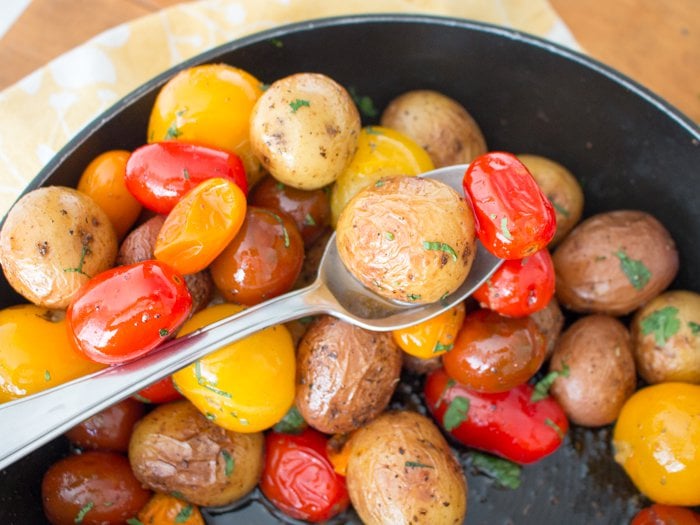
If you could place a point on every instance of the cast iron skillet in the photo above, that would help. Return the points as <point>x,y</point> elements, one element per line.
<point>628,148</point>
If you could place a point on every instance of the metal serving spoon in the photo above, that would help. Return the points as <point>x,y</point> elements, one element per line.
<point>32,421</point>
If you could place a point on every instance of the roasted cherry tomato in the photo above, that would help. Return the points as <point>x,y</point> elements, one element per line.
<point>246,386</point>
<point>93,488</point>
<point>201,225</point>
<point>165,509</point>
<point>514,218</point>
<point>125,312</point>
<point>310,210</point>
<point>109,429</point>
<point>433,337</point>
<point>211,105</point>
<point>298,477</point>
<point>162,391</point>
<point>160,174</point>
<point>103,180</point>
<point>36,352</point>
<point>493,353</point>
<point>519,287</point>
<point>666,515</point>
<point>262,261</point>
<point>657,441</point>
<point>507,424</point>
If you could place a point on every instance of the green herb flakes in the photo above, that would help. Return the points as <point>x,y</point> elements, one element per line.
<point>694,327</point>
<point>439,347</point>
<point>173,132</point>
<point>47,376</point>
<point>79,269</point>
<point>291,423</point>
<point>413,296</point>
<point>379,183</point>
<point>279,185</point>
<point>139,397</point>
<point>504,472</point>
<point>299,103</point>
<point>554,426</point>
<point>456,413</point>
<point>542,387</point>
<point>184,514</point>
<point>389,235</point>
<point>202,381</point>
<point>210,416</point>
<point>364,104</point>
<point>504,229</point>
<point>186,173</point>
<point>83,511</point>
<point>416,464</point>
<point>163,332</point>
<point>229,463</point>
<point>134,521</point>
<point>450,383</point>
<point>264,86</point>
<point>285,233</point>
<point>662,323</point>
<point>559,207</point>
<point>637,274</point>
<point>276,42</point>
<point>309,220</point>
<point>440,246</point>
<point>371,130</point>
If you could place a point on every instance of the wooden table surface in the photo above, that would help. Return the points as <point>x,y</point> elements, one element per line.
<point>655,42</point>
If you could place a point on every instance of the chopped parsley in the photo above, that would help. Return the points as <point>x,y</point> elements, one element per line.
<point>139,397</point>
<point>637,274</point>
<point>276,42</point>
<point>371,130</point>
<point>559,207</point>
<point>47,376</point>
<point>542,387</point>
<point>230,463</point>
<point>210,416</point>
<point>81,262</point>
<point>416,464</point>
<point>694,327</point>
<point>413,296</point>
<point>309,220</point>
<point>202,381</point>
<point>186,173</point>
<point>456,413</point>
<point>173,132</point>
<point>285,233</point>
<point>556,428</point>
<point>389,235</point>
<point>264,86</point>
<point>83,511</point>
<point>504,229</point>
<point>299,103</point>
<point>364,104</point>
<point>662,323</point>
<point>279,185</point>
<point>184,514</point>
<point>163,332</point>
<point>439,347</point>
<point>450,383</point>
<point>291,423</point>
<point>440,246</point>
<point>134,521</point>
<point>504,472</point>
<point>379,183</point>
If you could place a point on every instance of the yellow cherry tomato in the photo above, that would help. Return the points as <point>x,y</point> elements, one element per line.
<point>201,225</point>
<point>165,509</point>
<point>209,105</point>
<point>35,352</point>
<point>247,386</point>
<point>103,180</point>
<point>657,441</point>
<point>381,152</point>
<point>432,337</point>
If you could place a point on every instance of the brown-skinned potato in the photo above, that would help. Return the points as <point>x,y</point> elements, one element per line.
<point>401,470</point>
<point>438,123</point>
<point>346,375</point>
<point>666,338</point>
<point>175,448</point>
<point>597,373</point>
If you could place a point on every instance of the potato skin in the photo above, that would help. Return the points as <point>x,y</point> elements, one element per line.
<point>346,375</point>
<point>388,237</point>
<point>589,264</point>
<point>53,240</point>
<point>401,470</point>
<point>597,351</point>
<point>440,124</point>
<point>549,321</point>
<point>175,448</point>
<point>561,188</point>
<point>671,352</point>
<point>304,130</point>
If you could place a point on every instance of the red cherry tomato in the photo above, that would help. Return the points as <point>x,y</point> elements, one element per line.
<point>162,391</point>
<point>127,311</point>
<point>507,424</point>
<point>659,514</point>
<point>520,287</point>
<point>514,218</point>
<point>298,478</point>
<point>109,429</point>
<point>159,174</point>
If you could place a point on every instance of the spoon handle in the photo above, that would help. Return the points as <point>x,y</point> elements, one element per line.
<point>30,422</point>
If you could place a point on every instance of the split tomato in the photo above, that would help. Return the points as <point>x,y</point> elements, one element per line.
<point>514,218</point>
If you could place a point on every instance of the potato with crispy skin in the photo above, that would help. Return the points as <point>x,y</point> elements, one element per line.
<point>409,239</point>
<point>176,449</point>
<point>401,470</point>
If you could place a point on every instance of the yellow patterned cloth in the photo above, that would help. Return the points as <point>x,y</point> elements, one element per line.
<point>41,113</point>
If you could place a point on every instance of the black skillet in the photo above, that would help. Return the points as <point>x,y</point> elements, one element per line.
<point>628,148</point>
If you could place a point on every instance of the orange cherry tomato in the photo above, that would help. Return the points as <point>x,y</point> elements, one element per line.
<point>165,509</point>
<point>201,225</point>
<point>659,514</point>
<point>103,180</point>
<point>433,337</point>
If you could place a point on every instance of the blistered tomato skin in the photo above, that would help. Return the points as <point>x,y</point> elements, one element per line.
<point>125,312</point>
<point>201,225</point>
<point>433,337</point>
<point>298,478</point>
<point>514,218</point>
<point>519,287</point>
<point>160,174</point>
<point>507,424</point>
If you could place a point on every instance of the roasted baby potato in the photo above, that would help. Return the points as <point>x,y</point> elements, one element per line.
<point>400,470</point>
<point>53,240</point>
<point>596,370</point>
<point>549,321</point>
<point>666,338</point>
<point>440,124</point>
<point>345,374</point>
<point>408,239</point>
<point>614,262</point>
<point>177,449</point>
<point>304,130</point>
<point>561,188</point>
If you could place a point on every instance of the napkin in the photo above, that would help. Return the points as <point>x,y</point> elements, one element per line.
<point>43,111</point>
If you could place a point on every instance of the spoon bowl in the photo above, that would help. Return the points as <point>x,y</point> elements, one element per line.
<point>43,416</point>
